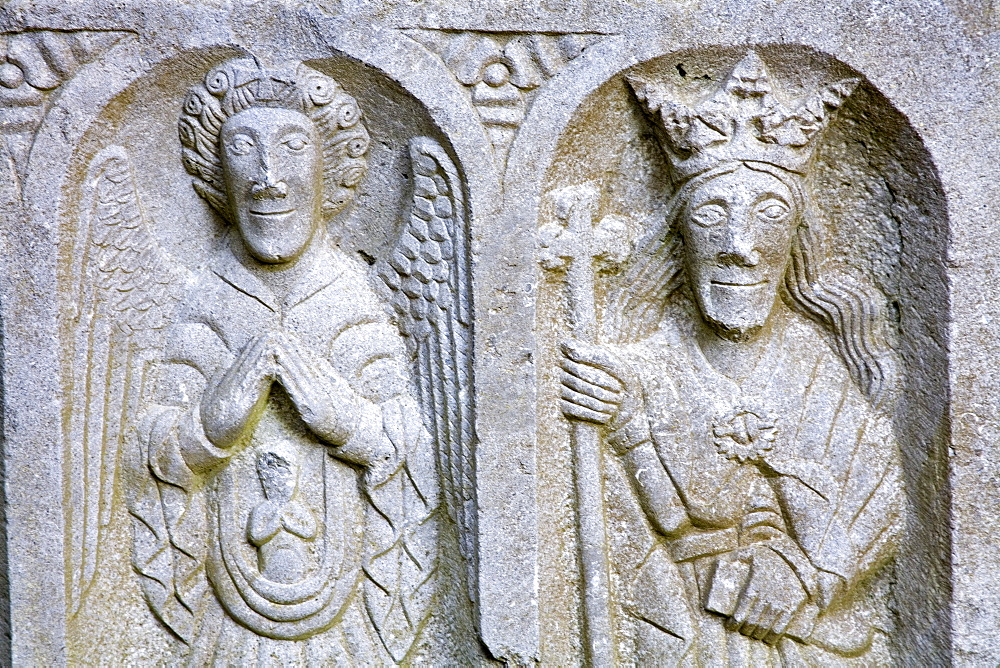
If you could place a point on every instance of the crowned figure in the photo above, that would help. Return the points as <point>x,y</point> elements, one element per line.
<point>745,395</point>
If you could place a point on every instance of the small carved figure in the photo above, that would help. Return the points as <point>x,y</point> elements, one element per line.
<point>282,481</point>
<point>745,396</point>
<point>280,525</point>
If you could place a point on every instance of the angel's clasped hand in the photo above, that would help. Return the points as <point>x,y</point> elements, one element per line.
<point>229,403</point>
<point>323,398</point>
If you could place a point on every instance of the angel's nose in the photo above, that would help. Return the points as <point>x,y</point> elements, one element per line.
<point>269,188</point>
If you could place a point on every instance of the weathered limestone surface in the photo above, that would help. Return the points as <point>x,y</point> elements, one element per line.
<point>557,331</point>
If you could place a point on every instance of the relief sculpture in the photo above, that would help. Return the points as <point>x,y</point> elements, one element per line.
<point>502,72</point>
<point>743,390</point>
<point>269,412</point>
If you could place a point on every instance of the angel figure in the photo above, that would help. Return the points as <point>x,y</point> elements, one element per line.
<point>745,395</point>
<point>283,483</point>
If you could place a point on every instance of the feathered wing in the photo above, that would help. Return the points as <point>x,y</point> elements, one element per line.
<point>125,288</point>
<point>429,275</point>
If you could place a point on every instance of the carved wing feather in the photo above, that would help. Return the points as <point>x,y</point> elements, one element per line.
<point>124,289</point>
<point>428,273</point>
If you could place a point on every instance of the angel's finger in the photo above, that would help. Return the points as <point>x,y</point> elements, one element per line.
<point>290,375</point>
<point>256,363</point>
<point>246,372</point>
<point>588,401</point>
<point>764,620</point>
<point>291,359</point>
<point>575,411</point>
<point>591,374</point>
<point>590,389</point>
<point>256,348</point>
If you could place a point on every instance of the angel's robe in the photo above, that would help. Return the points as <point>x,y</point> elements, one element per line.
<point>209,492</point>
<point>820,463</point>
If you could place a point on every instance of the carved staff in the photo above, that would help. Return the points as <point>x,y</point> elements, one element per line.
<point>573,245</point>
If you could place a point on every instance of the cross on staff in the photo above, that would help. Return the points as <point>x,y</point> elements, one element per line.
<point>574,244</point>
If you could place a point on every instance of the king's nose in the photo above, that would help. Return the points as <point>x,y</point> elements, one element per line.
<point>738,248</point>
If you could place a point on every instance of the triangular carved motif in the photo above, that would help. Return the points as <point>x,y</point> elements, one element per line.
<point>502,71</point>
<point>32,65</point>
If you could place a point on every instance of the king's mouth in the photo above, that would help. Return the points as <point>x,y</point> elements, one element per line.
<point>732,284</point>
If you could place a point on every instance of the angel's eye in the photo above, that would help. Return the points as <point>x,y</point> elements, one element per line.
<point>240,145</point>
<point>708,215</point>
<point>773,210</point>
<point>296,142</point>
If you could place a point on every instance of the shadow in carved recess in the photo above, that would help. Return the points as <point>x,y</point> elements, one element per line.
<point>285,449</point>
<point>754,376</point>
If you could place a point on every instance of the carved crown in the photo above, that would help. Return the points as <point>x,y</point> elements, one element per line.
<point>742,120</point>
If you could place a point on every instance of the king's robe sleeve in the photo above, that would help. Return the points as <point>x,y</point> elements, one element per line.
<point>846,510</point>
<point>634,443</point>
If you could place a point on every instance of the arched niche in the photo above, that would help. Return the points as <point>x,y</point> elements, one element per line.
<point>106,614</point>
<point>881,214</point>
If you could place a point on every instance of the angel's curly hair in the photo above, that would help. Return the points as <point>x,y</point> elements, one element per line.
<point>242,83</point>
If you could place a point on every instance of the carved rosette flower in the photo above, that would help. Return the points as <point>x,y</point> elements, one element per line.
<point>745,433</point>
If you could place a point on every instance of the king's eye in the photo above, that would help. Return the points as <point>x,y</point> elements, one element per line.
<point>708,215</point>
<point>240,145</point>
<point>296,143</point>
<point>773,210</point>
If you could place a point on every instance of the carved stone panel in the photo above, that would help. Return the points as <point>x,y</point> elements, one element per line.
<point>289,452</point>
<point>501,71</point>
<point>740,377</point>
<point>521,333</point>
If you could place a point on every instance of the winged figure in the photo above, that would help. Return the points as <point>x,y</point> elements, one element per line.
<point>276,441</point>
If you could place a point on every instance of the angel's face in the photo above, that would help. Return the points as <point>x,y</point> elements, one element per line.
<point>271,162</point>
<point>738,230</point>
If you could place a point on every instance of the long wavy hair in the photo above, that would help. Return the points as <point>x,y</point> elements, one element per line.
<point>849,314</point>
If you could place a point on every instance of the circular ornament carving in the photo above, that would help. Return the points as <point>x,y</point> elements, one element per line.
<point>745,433</point>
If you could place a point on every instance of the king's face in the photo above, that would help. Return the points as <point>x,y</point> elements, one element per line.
<point>271,162</point>
<point>738,230</point>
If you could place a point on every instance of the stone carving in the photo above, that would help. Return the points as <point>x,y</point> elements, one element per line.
<point>430,279</point>
<point>744,392</point>
<point>501,71</point>
<point>272,439</point>
<point>280,526</point>
<point>32,65</point>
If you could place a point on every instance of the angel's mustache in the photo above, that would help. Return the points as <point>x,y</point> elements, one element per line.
<point>269,190</point>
